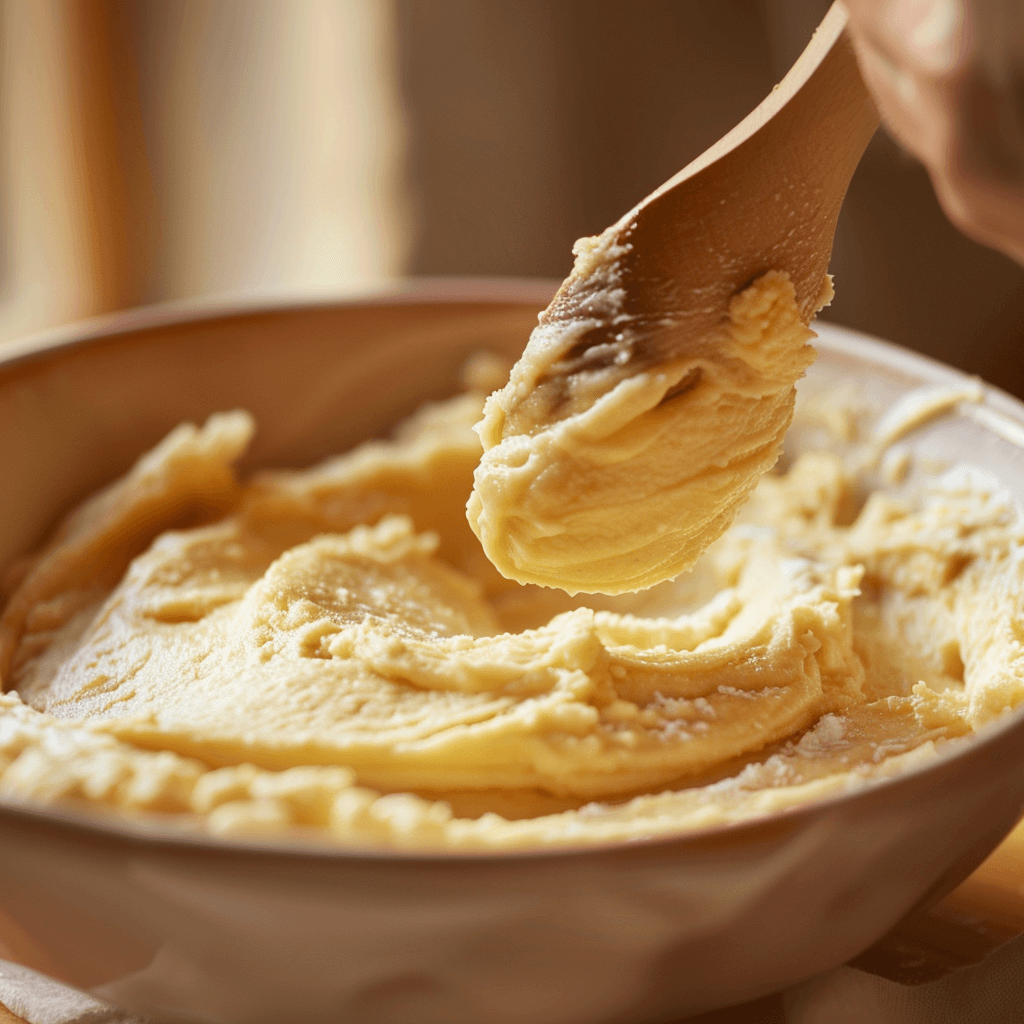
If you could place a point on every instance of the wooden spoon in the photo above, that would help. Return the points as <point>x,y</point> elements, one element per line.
<point>766,196</point>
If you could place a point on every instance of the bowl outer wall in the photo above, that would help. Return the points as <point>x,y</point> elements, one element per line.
<point>635,932</point>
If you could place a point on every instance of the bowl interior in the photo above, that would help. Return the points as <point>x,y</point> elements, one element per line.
<point>77,409</point>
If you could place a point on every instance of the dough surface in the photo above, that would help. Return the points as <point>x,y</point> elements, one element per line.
<point>330,650</point>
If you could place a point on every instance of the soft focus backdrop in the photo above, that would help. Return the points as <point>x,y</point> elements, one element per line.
<point>155,150</point>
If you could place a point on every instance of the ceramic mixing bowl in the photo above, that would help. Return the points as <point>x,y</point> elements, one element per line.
<point>184,928</point>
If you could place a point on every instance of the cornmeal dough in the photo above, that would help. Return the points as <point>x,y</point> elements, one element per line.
<point>610,471</point>
<point>328,652</point>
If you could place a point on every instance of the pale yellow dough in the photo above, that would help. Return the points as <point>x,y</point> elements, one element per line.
<point>612,480</point>
<point>328,653</point>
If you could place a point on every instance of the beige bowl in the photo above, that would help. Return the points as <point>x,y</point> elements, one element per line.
<point>187,929</point>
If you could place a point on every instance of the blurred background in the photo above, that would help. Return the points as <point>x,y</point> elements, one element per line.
<point>159,150</point>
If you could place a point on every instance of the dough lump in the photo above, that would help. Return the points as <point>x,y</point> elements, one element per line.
<point>613,474</point>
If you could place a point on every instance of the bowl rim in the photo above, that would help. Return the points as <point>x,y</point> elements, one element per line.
<point>52,341</point>
<point>1005,417</point>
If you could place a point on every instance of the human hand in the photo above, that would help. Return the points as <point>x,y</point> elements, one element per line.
<point>948,78</point>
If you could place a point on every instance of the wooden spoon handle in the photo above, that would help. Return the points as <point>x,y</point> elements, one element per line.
<point>766,196</point>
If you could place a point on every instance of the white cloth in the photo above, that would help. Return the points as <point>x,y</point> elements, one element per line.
<point>41,1000</point>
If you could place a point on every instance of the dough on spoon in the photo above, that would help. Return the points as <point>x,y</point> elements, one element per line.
<point>610,471</point>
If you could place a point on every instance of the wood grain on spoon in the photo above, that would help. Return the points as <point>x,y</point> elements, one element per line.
<point>766,196</point>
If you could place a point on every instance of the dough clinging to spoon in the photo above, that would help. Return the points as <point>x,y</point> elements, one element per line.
<point>611,471</point>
